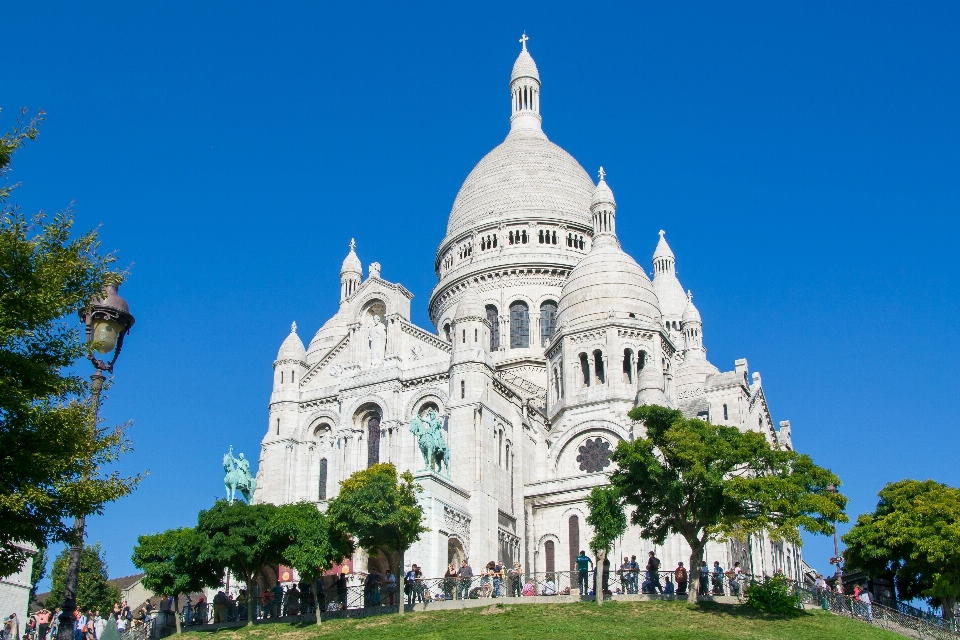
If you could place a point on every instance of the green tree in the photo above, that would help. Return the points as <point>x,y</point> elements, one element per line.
<point>94,593</point>
<point>705,481</point>
<point>913,536</point>
<point>380,510</point>
<point>38,570</point>
<point>313,543</point>
<point>243,538</point>
<point>609,521</point>
<point>172,564</point>
<point>51,451</point>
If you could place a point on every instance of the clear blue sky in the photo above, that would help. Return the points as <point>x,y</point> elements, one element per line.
<point>804,159</point>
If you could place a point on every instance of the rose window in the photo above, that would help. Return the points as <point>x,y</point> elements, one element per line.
<point>594,455</point>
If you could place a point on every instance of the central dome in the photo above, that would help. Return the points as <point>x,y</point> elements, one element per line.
<point>526,176</point>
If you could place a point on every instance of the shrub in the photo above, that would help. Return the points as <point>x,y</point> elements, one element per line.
<point>774,595</point>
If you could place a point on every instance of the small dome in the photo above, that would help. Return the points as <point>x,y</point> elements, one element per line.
<point>690,314</point>
<point>607,283</point>
<point>470,306</point>
<point>351,264</point>
<point>602,194</point>
<point>525,67</point>
<point>292,347</point>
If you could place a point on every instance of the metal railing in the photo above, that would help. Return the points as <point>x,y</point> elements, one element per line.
<point>904,622</point>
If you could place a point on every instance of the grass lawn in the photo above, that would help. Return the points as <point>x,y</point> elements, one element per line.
<point>663,619</point>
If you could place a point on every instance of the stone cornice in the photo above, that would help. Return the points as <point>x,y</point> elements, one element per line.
<point>325,360</point>
<point>541,273</point>
<point>424,336</point>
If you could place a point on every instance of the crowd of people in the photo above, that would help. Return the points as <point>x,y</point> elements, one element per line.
<point>87,624</point>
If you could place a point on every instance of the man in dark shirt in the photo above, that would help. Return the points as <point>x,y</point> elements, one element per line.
<point>583,572</point>
<point>465,572</point>
<point>653,573</point>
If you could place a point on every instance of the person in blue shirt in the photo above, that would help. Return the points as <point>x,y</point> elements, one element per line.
<point>583,572</point>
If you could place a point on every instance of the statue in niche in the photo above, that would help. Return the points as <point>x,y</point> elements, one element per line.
<point>433,447</point>
<point>378,341</point>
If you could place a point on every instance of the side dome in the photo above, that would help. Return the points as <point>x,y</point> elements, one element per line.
<point>606,284</point>
<point>690,314</point>
<point>523,178</point>
<point>292,347</point>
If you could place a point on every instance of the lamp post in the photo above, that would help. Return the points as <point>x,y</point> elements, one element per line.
<point>108,321</point>
<point>836,559</point>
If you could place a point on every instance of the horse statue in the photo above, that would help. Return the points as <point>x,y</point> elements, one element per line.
<point>238,477</point>
<point>433,447</point>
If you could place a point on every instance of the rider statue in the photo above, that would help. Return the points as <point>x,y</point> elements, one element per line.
<point>433,447</point>
<point>238,478</point>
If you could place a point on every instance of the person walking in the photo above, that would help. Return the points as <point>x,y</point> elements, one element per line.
<point>583,573</point>
<point>680,577</point>
<point>653,573</point>
<point>43,624</point>
<point>465,572</point>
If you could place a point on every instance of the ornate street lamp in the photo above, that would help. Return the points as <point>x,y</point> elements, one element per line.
<point>837,559</point>
<point>108,320</point>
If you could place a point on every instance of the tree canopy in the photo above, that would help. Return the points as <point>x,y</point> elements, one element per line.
<point>912,536</point>
<point>242,538</point>
<point>380,510</point>
<point>313,543</point>
<point>94,593</point>
<point>51,451</point>
<point>703,481</point>
<point>609,522</point>
<point>173,563</point>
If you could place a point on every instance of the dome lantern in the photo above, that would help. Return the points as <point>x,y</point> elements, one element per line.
<point>351,273</point>
<point>604,210</point>
<point>525,91</point>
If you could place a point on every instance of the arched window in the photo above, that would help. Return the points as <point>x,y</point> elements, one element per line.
<point>541,236</point>
<point>373,441</point>
<point>573,532</point>
<point>550,557</point>
<point>725,416</point>
<point>446,331</point>
<point>628,366</point>
<point>500,448</point>
<point>281,376</point>
<point>554,237</point>
<point>322,495</point>
<point>585,369</point>
<point>463,389</point>
<point>548,321</point>
<point>641,362</point>
<point>519,325</point>
<point>493,317</point>
<point>598,367</point>
<point>523,236</point>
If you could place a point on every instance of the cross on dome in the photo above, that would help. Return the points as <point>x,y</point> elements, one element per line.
<point>689,296</point>
<point>523,40</point>
<point>602,173</point>
<point>662,233</point>
<point>353,244</point>
<point>293,327</point>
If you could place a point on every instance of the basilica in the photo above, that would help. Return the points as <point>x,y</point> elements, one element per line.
<point>546,333</point>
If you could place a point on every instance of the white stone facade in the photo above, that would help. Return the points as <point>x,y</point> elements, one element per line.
<point>15,590</point>
<point>547,334</point>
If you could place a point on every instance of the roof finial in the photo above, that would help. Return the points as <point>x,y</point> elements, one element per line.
<point>662,232</point>
<point>602,174</point>
<point>353,244</point>
<point>689,296</point>
<point>523,40</point>
<point>293,327</point>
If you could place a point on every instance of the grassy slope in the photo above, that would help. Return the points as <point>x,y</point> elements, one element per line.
<point>662,620</point>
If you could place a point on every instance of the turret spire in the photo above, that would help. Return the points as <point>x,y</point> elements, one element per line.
<point>351,273</point>
<point>604,210</point>
<point>525,91</point>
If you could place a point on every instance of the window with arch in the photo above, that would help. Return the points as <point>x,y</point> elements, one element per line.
<point>548,321</point>
<point>500,448</point>
<point>585,369</point>
<point>549,556</point>
<point>573,535</point>
<point>446,332</point>
<point>557,384</point>
<point>463,389</point>
<point>519,325</point>
<point>281,376</point>
<point>322,484</point>
<point>725,416</point>
<point>373,440</point>
<point>598,367</point>
<point>628,366</point>
<point>641,362</point>
<point>493,317</point>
